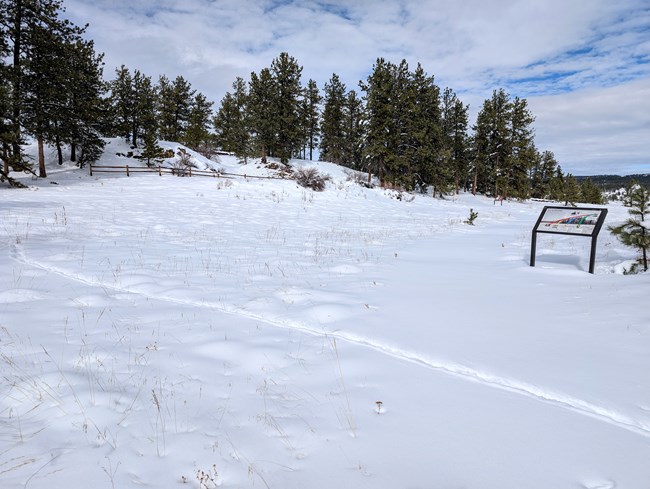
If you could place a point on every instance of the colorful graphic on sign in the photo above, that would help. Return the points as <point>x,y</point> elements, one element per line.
<point>569,221</point>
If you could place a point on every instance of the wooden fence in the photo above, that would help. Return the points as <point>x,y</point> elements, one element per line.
<point>182,172</point>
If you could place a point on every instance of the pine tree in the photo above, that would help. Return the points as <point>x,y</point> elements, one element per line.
<point>353,131</point>
<point>133,103</point>
<point>85,107</point>
<point>332,143</point>
<point>122,101</point>
<point>311,116</point>
<point>492,135</point>
<point>232,124</point>
<point>262,102</point>
<point>398,161</point>
<point>379,99</point>
<point>197,135</point>
<point>36,39</point>
<point>15,19</point>
<point>141,93</point>
<point>557,185</point>
<point>286,74</point>
<point>145,106</point>
<point>5,110</point>
<point>48,84</point>
<point>543,172</point>
<point>571,190</point>
<point>174,107</point>
<point>590,192</point>
<point>428,162</point>
<point>634,231</point>
<point>454,135</point>
<point>522,151</point>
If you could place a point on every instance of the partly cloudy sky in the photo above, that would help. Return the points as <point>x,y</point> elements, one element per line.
<point>583,65</point>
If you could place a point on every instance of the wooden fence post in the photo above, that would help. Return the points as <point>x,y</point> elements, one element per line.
<point>127,170</point>
<point>91,169</point>
<point>159,171</point>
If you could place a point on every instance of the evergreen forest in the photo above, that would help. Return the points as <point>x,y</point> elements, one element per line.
<point>398,124</point>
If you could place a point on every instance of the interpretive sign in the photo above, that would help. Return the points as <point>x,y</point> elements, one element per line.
<point>578,221</point>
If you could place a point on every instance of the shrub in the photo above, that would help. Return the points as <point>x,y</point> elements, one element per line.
<point>358,177</point>
<point>311,178</point>
<point>183,163</point>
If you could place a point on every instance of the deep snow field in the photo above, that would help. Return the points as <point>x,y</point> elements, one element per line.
<point>208,332</point>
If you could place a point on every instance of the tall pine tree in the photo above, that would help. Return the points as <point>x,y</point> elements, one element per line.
<point>174,107</point>
<point>232,122</point>
<point>122,103</point>
<point>197,135</point>
<point>286,73</point>
<point>492,144</point>
<point>353,132</point>
<point>456,122</point>
<point>379,100</point>
<point>429,165</point>
<point>262,103</point>
<point>39,44</point>
<point>522,151</point>
<point>311,116</point>
<point>85,106</point>
<point>332,143</point>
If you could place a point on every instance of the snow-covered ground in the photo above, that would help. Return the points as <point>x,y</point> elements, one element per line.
<point>199,332</point>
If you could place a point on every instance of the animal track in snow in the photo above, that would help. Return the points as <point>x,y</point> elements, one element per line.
<point>559,399</point>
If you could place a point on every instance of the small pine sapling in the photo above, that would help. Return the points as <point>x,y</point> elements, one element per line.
<point>472,217</point>
<point>634,231</point>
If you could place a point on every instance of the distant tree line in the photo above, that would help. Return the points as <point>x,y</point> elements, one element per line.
<point>618,182</point>
<point>400,125</point>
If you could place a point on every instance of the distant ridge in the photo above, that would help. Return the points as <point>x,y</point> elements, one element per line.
<point>614,182</point>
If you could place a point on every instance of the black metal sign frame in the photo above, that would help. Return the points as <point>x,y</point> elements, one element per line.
<point>574,221</point>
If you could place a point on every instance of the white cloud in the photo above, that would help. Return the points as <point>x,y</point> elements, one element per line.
<point>597,131</point>
<point>474,46</point>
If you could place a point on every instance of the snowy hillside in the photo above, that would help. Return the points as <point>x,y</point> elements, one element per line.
<point>166,332</point>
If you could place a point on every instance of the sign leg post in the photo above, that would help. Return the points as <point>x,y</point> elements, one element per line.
<point>533,249</point>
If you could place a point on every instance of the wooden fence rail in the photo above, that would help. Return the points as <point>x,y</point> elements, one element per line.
<point>183,172</point>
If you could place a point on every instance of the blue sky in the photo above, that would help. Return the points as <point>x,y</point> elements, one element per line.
<point>583,65</point>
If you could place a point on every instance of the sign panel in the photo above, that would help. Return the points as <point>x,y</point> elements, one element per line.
<point>569,220</point>
<point>579,221</point>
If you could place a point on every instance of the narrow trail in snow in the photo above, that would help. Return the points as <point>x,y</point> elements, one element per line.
<point>620,420</point>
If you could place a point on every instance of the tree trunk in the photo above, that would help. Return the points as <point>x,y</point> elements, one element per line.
<point>73,152</point>
<point>17,95</point>
<point>474,183</point>
<point>41,158</point>
<point>59,151</point>
<point>264,153</point>
<point>5,158</point>
<point>457,184</point>
<point>496,177</point>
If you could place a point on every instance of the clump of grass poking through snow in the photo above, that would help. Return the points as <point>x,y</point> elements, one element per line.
<point>209,479</point>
